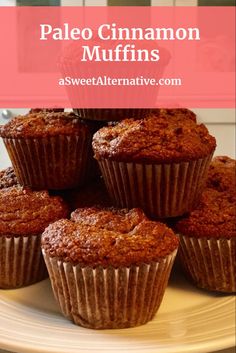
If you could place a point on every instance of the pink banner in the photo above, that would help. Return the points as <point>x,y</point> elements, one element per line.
<point>117,57</point>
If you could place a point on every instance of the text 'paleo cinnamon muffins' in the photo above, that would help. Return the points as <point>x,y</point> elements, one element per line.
<point>24,214</point>
<point>50,150</point>
<point>158,163</point>
<point>208,241</point>
<point>109,268</point>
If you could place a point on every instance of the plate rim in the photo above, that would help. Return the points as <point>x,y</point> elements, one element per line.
<point>204,346</point>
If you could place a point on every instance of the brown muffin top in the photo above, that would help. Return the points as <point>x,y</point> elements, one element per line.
<point>43,124</point>
<point>108,237</point>
<point>26,212</point>
<point>160,139</point>
<point>222,174</point>
<point>7,178</point>
<point>46,110</point>
<point>215,216</point>
<point>181,112</point>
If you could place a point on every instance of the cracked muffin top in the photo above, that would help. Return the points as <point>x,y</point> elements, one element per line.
<point>156,138</point>
<point>7,178</point>
<point>222,174</point>
<point>26,212</point>
<point>215,216</point>
<point>108,237</point>
<point>43,124</point>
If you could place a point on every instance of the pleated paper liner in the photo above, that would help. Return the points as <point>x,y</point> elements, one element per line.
<point>106,298</point>
<point>209,263</point>
<point>101,114</point>
<point>111,114</point>
<point>21,261</point>
<point>161,190</point>
<point>57,162</point>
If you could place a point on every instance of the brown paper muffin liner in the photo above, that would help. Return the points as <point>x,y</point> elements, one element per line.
<point>58,162</point>
<point>105,298</point>
<point>209,263</point>
<point>21,261</point>
<point>72,69</point>
<point>161,190</point>
<point>111,114</point>
<point>77,96</point>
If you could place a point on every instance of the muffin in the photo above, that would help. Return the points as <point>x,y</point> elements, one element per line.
<point>94,193</point>
<point>222,174</point>
<point>109,268</point>
<point>46,110</point>
<point>184,112</point>
<point>7,178</point>
<point>110,114</point>
<point>50,150</point>
<point>208,242</point>
<point>104,96</point>
<point>158,163</point>
<point>24,215</point>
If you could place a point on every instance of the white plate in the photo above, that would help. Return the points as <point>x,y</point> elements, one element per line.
<point>189,320</point>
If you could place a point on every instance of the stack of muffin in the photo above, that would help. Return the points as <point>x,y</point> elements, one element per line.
<point>109,265</point>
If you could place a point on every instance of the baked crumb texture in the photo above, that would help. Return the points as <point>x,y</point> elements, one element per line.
<point>169,137</point>
<point>108,237</point>
<point>41,123</point>
<point>24,214</point>
<point>214,217</point>
<point>51,150</point>
<point>46,110</point>
<point>208,234</point>
<point>7,178</point>
<point>222,174</point>
<point>109,268</point>
<point>158,163</point>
